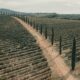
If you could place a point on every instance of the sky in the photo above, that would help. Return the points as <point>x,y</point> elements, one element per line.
<point>50,6</point>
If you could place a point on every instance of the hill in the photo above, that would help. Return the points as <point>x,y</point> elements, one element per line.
<point>11,12</point>
<point>47,15</point>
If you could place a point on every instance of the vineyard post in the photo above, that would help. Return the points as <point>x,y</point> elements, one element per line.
<point>60,45</point>
<point>73,60</point>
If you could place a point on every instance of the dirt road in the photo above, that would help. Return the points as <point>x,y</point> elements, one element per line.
<point>55,61</point>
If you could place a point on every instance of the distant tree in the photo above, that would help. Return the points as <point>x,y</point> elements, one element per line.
<point>52,37</point>
<point>41,29</point>
<point>52,15</point>
<point>31,23</point>
<point>25,18</point>
<point>46,32</point>
<point>37,26</point>
<point>34,25</point>
<point>28,21</point>
<point>60,45</point>
<point>73,55</point>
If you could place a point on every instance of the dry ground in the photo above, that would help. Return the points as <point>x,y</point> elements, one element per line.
<point>55,61</point>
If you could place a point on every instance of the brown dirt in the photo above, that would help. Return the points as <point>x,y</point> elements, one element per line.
<point>55,61</point>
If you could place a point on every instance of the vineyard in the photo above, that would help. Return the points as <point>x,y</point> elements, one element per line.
<point>20,57</point>
<point>66,37</point>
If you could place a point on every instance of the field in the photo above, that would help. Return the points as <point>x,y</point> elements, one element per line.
<point>67,30</point>
<point>20,57</point>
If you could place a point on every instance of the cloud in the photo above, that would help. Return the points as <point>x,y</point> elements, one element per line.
<point>59,6</point>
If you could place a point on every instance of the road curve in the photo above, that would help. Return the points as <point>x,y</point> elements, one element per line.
<point>55,61</point>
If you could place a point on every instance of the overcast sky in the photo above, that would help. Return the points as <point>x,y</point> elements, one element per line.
<point>58,6</point>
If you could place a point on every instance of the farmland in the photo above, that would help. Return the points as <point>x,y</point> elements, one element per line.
<point>20,57</point>
<point>67,30</point>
